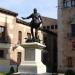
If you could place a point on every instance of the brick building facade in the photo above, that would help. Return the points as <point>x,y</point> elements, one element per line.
<point>66,35</point>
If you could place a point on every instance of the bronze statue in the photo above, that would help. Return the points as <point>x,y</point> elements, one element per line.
<point>35,22</point>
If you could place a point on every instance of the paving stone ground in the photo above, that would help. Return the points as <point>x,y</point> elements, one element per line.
<point>37,74</point>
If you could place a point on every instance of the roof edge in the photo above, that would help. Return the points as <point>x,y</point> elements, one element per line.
<point>22,22</point>
<point>3,10</point>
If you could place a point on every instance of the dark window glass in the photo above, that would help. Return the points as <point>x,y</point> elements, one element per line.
<point>73,29</point>
<point>69,59</point>
<point>64,4</point>
<point>1,53</point>
<point>2,34</point>
<point>44,27</point>
<point>73,3</point>
<point>55,26</point>
<point>73,45</point>
<point>69,3</point>
<point>45,40</point>
<point>28,35</point>
<point>19,54</point>
<point>19,37</point>
<point>52,26</point>
<point>28,39</point>
<point>48,27</point>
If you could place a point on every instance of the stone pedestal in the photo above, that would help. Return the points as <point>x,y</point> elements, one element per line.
<point>32,63</point>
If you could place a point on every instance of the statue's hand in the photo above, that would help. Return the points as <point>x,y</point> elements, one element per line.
<point>22,17</point>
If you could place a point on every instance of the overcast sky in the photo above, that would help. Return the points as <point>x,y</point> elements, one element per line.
<point>46,8</point>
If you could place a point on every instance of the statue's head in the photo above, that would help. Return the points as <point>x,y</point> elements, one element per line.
<point>35,10</point>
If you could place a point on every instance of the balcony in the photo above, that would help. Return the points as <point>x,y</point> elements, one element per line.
<point>4,45</point>
<point>4,42</point>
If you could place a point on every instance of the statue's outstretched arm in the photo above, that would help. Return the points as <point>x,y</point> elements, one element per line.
<point>27,17</point>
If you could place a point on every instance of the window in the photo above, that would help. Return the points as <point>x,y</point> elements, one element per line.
<point>73,29</point>
<point>73,3</point>
<point>28,35</point>
<point>1,53</point>
<point>19,37</point>
<point>28,39</point>
<point>48,27</point>
<point>55,26</point>
<point>73,45</point>
<point>69,3</point>
<point>69,63</point>
<point>52,26</point>
<point>44,27</point>
<point>2,33</point>
<point>19,54</point>
<point>45,40</point>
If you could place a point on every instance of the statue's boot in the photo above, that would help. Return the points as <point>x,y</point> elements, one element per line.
<point>33,39</point>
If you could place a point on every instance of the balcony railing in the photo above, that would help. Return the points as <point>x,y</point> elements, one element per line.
<point>4,45</point>
<point>3,40</point>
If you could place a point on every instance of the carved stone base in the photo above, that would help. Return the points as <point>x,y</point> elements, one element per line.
<point>32,63</point>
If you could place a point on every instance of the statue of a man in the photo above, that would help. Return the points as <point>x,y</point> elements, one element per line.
<point>35,22</point>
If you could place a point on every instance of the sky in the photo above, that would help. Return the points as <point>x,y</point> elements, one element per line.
<point>24,8</point>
